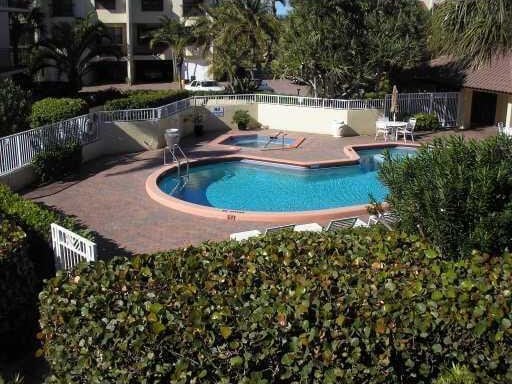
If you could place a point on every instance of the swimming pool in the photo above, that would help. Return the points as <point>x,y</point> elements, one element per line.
<point>259,141</point>
<point>267,187</point>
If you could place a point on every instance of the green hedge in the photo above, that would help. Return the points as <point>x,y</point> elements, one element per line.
<point>18,287</point>
<point>145,99</point>
<point>457,193</point>
<point>52,110</point>
<point>427,122</point>
<point>354,307</point>
<point>58,161</point>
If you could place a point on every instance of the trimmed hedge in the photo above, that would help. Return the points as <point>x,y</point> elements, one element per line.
<point>355,307</point>
<point>18,287</point>
<point>456,192</point>
<point>58,161</point>
<point>53,110</point>
<point>145,99</point>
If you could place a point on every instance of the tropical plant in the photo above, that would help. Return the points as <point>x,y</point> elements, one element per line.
<point>241,33</point>
<point>15,107</point>
<point>72,49</point>
<point>457,375</point>
<point>473,31</point>
<point>241,118</point>
<point>427,122</point>
<point>177,36</point>
<point>456,193</point>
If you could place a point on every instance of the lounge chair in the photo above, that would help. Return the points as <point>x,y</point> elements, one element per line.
<point>241,236</point>
<point>388,219</point>
<point>289,227</point>
<point>351,222</point>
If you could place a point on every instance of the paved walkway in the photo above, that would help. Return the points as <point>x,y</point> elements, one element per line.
<point>109,197</point>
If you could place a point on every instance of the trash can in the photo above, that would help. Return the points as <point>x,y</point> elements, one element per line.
<point>172,137</point>
<point>337,128</point>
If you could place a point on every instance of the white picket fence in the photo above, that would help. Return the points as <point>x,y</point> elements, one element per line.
<point>71,249</point>
<point>18,150</point>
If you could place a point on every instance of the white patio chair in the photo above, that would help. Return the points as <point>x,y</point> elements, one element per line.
<point>242,236</point>
<point>381,128</point>
<point>280,228</point>
<point>407,130</point>
<point>351,222</point>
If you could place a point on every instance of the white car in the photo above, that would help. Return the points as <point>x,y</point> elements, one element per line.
<point>205,85</point>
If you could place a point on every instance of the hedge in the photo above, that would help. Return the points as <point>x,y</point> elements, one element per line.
<point>53,110</point>
<point>353,307</point>
<point>145,99</point>
<point>14,108</point>
<point>427,122</point>
<point>19,288</point>
<point>58,161</point>
<point>456,192</point>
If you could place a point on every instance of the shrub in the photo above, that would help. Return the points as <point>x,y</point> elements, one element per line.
<point>456,375</point>
<point>19,287</point>
<point>94,99</point>
<point>14,108</point>
<point>457,193</point>
<point>58,161</point>
<point>53,110</point>
<point>145,99</point>
<point>427,122</point>
<point>355,307</point>
<point>241,118</point>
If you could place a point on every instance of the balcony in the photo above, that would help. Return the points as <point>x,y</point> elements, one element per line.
<point>15,5</point>
<point>9,61</point>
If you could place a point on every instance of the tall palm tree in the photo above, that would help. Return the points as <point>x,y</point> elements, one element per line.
<point>73,48</point>
<point>23,27</point>
<point>473,30</point>
<point>177,36</point>
<point>240,32</point>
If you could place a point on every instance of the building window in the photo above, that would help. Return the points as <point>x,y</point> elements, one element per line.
<point>192,8</point>
<point>116,34</point>
<point>62,8</point>
<point>106,4</point>
<point>152,5</point>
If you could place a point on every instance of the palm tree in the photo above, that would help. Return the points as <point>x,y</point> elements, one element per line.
<point>73,48</point>
<point>240,32</point>
<point>473,30</point>
<point>177,36</point>
<point>23,27</point>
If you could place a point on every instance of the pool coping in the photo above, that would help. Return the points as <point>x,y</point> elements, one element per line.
<point>219,141</point>
<point>350,151</point>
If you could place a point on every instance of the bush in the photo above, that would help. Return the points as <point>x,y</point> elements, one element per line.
<point>456,375</point>
<point>355,307</point>
<point>53,110</point>
<point>427,122</point>
<point>58,161</point>
<point>145,99</point>
<point>241,118</point>
<point>94,99</point>
<point>14,108</point>
<point>19,287</point>
<point>457,193</point>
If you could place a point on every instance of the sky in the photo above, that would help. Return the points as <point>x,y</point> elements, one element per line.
<point>282,10</point>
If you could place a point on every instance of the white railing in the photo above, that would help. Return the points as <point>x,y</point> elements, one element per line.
<point>71,249</point>
<point>18,150</point>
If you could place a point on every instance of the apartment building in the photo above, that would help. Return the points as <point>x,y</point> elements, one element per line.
<point>12,62</point>
<point>131,23</point>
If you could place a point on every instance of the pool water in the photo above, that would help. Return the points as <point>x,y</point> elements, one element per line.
<point>264,187</point>
<point>258,141</point>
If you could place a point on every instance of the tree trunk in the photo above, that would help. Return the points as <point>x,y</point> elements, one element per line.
<point>180,70</point>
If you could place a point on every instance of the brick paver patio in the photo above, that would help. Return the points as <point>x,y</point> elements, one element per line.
<point>109,197</point>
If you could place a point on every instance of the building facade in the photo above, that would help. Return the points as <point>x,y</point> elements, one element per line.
<point>13,59</point>
<point>131,23</point>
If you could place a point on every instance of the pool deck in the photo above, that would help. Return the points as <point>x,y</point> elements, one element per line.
<point>110,198</point>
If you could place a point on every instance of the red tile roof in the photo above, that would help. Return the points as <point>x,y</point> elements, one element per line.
<point>495,76</point>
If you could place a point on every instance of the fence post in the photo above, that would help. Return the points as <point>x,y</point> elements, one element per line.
<point>18,151</point>
<point>431,103</point>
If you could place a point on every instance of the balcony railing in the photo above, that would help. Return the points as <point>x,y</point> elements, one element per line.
<point>15,4</point>
<point>10,60</point>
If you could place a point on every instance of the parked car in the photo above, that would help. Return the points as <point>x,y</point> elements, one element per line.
<point>205,85</point>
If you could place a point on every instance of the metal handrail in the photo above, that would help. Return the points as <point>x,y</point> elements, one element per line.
<point>182,180</point>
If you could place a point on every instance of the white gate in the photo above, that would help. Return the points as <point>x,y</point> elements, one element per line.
<point>71,249</point>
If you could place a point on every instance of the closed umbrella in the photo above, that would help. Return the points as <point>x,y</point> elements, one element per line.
<point>394,102</point>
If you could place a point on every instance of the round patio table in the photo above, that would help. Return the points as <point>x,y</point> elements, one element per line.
<point>394,125</point>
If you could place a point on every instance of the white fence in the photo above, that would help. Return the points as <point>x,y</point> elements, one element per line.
<point>71,249</point>
<point>444,105</point>
<point>19,149</point>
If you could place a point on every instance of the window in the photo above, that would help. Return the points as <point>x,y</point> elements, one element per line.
<point>106,4</point>
<point>152,5</point>
<point>116,33</point>
<point>62,8</point>
<point>192,8</point>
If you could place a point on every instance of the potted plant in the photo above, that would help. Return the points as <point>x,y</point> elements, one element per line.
<point>198,124</point>
<point>242,119</point>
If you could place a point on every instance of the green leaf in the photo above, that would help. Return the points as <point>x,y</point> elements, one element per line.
<point>225,331</point>
<point>236,361</point>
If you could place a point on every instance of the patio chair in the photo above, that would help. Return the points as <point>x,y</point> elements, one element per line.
<point>280,228</point>
<point>242,236</point>
<point>407,130</point>
<point>381,128</point>
<point>389,219</point>
<point>337,225</point>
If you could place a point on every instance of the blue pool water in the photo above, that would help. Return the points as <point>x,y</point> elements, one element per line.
<point>258,141</point>
<point>250,186</point>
